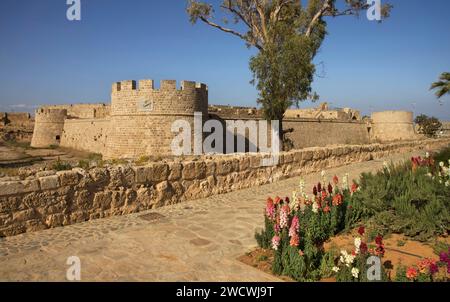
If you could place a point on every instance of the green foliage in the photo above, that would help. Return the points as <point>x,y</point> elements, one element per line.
<point>84,164</point>
<point>287,35</point>
<point>59,165</point>
<point>95,157</point>
<point>264,238</point>
<point>400,275</point>
<point>442,156</point>
<point>428,126</point>
<point>142,160</point>
<point>399,200</point>
<point>442,86</point>
<point>327,263</point>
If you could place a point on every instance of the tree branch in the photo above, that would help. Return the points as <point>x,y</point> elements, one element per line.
<point>326,5</point>
<point>230,31</point>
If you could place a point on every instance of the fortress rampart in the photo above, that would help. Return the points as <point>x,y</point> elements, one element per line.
<point>49,125</point>
<point>393,125</point>
<point>142,116</point>
<point>139,121</point>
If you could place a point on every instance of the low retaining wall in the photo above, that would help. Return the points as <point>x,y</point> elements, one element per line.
<point>52,199</point>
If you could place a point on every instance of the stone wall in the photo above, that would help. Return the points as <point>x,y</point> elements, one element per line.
<point>52,199</point>
<point>83,111</point>
<point>393,126</point>
<point>86,134</point>
<point>16,126</point>
<point>314,133</point>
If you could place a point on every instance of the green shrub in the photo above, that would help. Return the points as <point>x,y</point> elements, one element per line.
<point>400,200</point>
<point>84,164</point>
<point>61,166</point>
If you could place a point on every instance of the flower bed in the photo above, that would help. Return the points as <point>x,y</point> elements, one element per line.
<point>412,198</point>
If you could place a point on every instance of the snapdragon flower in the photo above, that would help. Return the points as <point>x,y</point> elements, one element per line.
<point>355,272</point>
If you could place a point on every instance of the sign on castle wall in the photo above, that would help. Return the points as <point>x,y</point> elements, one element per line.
<point>145,105</point>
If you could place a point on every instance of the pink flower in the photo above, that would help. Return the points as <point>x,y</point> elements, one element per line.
<point>411,273</point>
<point>284,216</point>
<point>295,226</point>
<point>270,209</point>
<point>276,242</point>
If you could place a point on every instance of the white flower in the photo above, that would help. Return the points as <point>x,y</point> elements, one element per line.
<point>345,181</point>
<point>323,173</point>
<point>441,164</point>
<point>447,183</point>
<point>427,155</point>
<point>430,175</point>
<point>335,269</point>
<point>355,272</point>
<point>315,207</point>
<point>301,186</point>
<point>294,204</point>
<point>357,244</point>
<point>341,259</point>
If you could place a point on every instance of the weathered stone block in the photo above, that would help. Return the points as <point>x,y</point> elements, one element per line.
<point>194,170</point>
<point>175,171</point>
<point>49,182</point>
<point>307,155</point>
<point>30,186</point>
<point>11,188</point>
<point>224,166</point>
<point>210,168</point>
<point>156,172</point>
<point>68,178</point>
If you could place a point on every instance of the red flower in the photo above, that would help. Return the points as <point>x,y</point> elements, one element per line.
<point>330,189</point>
<point>319,187</point>
<point>337,200</point>
<point>379,240</point>
<point>295,240</point>
<point>277,200</point>
<point>361,230</point>
<point>315,191</point>
<point>363,248</point>
<point>412,273</point>
<point>354,187</point>
<point>327,209</point>
<point>335,180</point>
<point>287,200</point>
<point>324,194</point>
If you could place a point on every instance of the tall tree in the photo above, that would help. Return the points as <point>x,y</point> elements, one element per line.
<point>287,35</point>
<point>442,86</point>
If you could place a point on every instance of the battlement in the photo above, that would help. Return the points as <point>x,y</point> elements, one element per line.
<point>165,85</point>
<point>51,115</point>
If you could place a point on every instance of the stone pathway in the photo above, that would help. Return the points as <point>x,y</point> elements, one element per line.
<point>192,241</point>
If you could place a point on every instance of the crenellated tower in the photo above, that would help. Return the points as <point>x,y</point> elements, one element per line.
<point>142,116</point>
<point>48,129</point>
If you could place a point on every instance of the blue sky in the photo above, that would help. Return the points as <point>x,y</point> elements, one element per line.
<point>45,59</point>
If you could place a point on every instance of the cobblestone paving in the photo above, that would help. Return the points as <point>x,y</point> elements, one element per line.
<point>192,241</point>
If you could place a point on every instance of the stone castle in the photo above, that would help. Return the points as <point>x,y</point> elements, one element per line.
<point>138,121</point>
